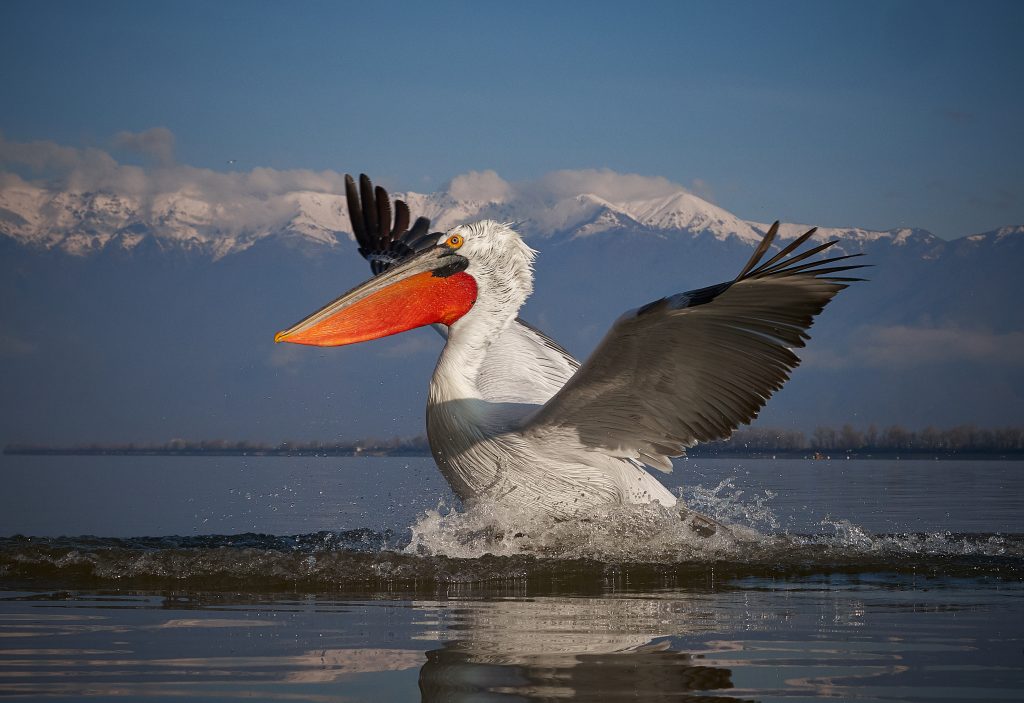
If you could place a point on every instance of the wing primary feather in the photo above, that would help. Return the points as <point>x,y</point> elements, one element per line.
<point>761,249</point>
<point>369,210</point>
<point>782,270</point>
<point>383,214</point>
<point>420,231</point>
<point>787,250</point>
<point>788,265</point>
<point>711,358</point>
<point>381,227</point>
<point>822,272</point>
<point>355,213</point>
<point>767,268</point>
<point>401,219</point>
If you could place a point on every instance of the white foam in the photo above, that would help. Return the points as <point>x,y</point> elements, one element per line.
<point>751,532</point>
<point>616,533</point>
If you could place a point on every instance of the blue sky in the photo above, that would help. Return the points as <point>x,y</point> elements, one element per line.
<point>874,114</point>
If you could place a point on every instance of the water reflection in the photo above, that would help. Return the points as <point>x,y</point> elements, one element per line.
<point>654,672</point>
<point>591,648</point>
<point>207,646</point>
<point>146,647</point>
<point>866,637</point>
<point>650,673</point>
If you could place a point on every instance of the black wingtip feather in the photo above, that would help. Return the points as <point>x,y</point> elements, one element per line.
<point>420,231</point>
<point>380,227</point>
<point>766,242</point>
<point>369,209</point>
<point>401,219</point>
<point>790,264</point>
<point>785,269</point>
<point>383,214</point>
<point>784,263</point>
<point>793,259</point>
<point>355,212</point>
<point>789,249</point>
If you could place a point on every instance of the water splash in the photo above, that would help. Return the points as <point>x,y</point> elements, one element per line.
<point>725,504</point>
<point>752,532</point>
<point>618,533</point>
<point>650,544</point>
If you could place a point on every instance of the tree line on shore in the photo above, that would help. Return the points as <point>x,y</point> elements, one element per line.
<point>961,439</point>
<point>891,439</point>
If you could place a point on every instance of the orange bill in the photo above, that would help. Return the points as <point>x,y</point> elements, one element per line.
<point>430,288</point>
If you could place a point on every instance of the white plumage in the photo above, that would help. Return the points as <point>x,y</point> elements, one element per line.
<point>513,419</point>
<point>495,373</point>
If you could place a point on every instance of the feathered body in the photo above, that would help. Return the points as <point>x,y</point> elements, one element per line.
<point>512,418</point>
<point>494,373</point>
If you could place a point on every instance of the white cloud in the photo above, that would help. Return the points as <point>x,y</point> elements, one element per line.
<point>92,169</point>
<point>702,189</point>
<point>209,206</point>
<point>63,164</point>
<point>487,186</point>
<point>228,202</point>
<point>550,203</point>
<point>607,184</point>
<point>905,345</point>
<point>902,346</point>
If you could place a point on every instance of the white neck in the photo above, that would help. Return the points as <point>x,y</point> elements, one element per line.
<point>464,353</point>
<point>502,266</point>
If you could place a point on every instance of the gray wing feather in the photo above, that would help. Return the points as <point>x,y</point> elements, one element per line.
<point>693,367</point>
<point>523,365</point>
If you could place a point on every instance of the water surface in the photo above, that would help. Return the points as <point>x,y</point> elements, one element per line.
<point>338,579</point>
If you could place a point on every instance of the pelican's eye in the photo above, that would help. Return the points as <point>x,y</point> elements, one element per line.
<point>455,241</point>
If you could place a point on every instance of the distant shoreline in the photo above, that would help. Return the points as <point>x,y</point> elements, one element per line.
<point>347,452</point>
<point>117,451</point>
<point>891,443</point>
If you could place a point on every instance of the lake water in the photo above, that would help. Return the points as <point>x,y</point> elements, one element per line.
<point>340,579</point>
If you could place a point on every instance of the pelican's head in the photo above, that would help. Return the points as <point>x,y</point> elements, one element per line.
<point>484,267</point>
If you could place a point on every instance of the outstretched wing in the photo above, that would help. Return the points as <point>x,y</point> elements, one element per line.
<point>382,242</point>
<point>694,366</point>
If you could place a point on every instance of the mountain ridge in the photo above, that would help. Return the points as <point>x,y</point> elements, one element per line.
<point>85,222</point>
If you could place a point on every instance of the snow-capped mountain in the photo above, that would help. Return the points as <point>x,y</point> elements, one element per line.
<point>83,222</point>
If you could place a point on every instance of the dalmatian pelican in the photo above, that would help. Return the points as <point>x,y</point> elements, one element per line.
<point>512,417</point>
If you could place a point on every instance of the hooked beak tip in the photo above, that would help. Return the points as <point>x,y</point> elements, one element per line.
<point>279,337</point>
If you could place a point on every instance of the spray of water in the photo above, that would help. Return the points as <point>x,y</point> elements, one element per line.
<point>488,544</point>
<point>749,529</point>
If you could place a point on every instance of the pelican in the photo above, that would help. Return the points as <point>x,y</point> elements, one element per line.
<point>512,418</point>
